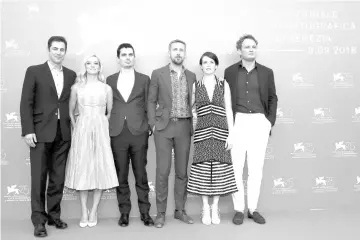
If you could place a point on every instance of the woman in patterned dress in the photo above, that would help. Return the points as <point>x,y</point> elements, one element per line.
<point>90,164</point>
<point>212,173</point>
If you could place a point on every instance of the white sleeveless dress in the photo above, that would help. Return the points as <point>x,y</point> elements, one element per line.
<point>90,163</point>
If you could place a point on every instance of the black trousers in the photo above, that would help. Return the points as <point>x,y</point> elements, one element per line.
<point>126,146</point>
<point>48,159</point>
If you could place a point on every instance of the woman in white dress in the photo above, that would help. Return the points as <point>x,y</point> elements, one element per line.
<point>90,163</point>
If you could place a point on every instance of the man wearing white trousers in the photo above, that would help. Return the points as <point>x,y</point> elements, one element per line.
<point>254,104</point>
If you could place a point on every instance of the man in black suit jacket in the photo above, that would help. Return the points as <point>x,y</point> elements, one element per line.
<point>129,132</point>
<point>254,103</point>
<point>44,110</point>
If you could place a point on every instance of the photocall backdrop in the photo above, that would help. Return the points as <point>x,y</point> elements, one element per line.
<point>312,159</point>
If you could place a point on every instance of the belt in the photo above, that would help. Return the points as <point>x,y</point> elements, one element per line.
<point>175,119</point>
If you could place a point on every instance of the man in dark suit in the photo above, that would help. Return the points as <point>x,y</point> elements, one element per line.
<point>129,131</point>
<point>254,103</point>
<point>45,121</point>
<point>170,117</point>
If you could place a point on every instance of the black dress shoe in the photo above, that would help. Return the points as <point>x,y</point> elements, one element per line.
<point>59,224</point>
<point>40,230</point>
<point>145,217</point>
<point>124,220</point>
<point>238,218</point>
<point>256,216</point>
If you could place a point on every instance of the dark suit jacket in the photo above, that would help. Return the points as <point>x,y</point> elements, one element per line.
<point>267,89</point>
<point>40,103</point>
<point>135,109</point>
<point>160,93</point>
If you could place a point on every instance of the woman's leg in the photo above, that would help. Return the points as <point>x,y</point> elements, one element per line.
<point>83,201</point>
<point>96,201</point>
<point>216,201</point>
<point>205,200</point>
<point>215,213</point>
<point>205,215</point>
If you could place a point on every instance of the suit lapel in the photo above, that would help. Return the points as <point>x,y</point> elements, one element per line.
<point>167,79</point>
<point>136,86</point>
<point>113,83</point>
<point>236,77</point>
<point>49,76</point>
<point>65,83</point>
<point>189,83</point>
<point>261,78</point>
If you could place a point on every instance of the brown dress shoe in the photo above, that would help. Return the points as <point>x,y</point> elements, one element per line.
<point>182,216</point>
<point>160,220</point>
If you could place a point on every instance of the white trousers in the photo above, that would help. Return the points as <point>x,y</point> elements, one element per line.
<point>251,137</point>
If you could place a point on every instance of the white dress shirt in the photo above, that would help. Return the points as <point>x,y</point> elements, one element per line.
<point>58,76</point>
<point>125,83</point>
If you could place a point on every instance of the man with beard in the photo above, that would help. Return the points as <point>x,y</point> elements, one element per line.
<point>170,117</point>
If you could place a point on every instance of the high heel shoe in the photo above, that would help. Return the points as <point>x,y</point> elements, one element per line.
<point>85,223</point>
<point>93,224</point>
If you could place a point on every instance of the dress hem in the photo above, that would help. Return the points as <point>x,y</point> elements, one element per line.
<point>89,189</point>
<point>211,195</point>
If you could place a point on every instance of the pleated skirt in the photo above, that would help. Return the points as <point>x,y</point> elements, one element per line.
<point>90,163</point>
<point>211,178</point>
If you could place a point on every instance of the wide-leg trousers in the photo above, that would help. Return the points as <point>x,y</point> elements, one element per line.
<point>252,134</point>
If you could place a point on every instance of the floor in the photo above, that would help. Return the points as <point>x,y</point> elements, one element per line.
<point>327,225</point>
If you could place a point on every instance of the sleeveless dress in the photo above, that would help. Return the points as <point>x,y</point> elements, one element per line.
<point>90,163</point>
<point>212,172</point>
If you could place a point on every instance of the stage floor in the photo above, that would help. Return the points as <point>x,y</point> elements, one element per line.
<point>319,225</point>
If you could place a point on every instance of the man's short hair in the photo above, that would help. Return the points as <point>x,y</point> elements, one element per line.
<point>57,39</point>
<point>176,41</point>
<point>124,45</point>
<point>242,39</point>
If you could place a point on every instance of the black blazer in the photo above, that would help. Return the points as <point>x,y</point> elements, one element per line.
<point>268,95</point>
<point>40,103</point>
<point>135,108</point>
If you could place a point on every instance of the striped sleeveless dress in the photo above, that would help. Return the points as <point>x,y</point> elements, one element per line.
<point>212,172</point>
